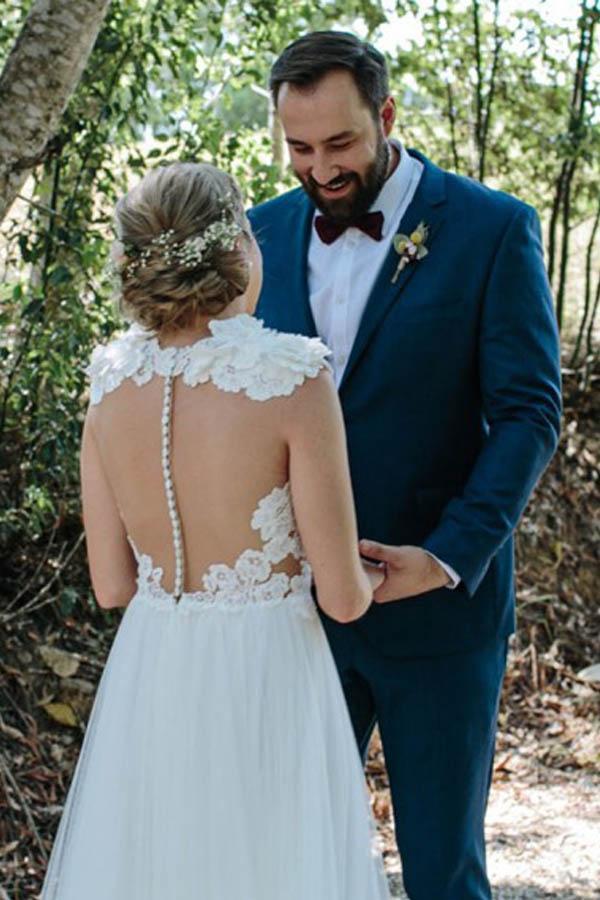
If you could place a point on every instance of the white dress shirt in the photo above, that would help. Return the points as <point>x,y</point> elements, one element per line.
<point>341,275</point>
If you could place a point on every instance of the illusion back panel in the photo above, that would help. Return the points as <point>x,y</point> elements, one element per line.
<point>227,453</point>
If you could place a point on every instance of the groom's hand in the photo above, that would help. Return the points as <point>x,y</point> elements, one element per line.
<point>409,571</point>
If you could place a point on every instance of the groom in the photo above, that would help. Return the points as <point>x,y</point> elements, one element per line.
<point>444,347</point>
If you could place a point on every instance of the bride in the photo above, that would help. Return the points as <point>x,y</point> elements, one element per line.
<point>219,762</point>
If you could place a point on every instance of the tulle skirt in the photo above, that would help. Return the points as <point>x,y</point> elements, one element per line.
<point>218,763</point>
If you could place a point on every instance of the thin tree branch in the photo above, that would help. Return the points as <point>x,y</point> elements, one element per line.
<point>487,118</point>
<point>479,83</point>
<point>588,289</point>
<point>41,598</point>
<point>450,107</point>
<point>590,332</point>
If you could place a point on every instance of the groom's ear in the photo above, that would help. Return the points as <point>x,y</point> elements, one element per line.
<point>388,115</point>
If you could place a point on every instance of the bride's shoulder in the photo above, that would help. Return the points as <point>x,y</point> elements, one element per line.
<point>245,355</point>
<point>241,355</point>
<point>124,356</point>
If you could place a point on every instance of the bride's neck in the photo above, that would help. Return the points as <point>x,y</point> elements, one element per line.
<point>184,336</point>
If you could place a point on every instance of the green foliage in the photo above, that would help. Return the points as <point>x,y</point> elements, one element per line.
<point>520,72</point>
<point>165,82</point>
<point>482,92</point>
<point>14,13</point>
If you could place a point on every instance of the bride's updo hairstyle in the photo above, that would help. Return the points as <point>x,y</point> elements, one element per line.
<point>183,247</point>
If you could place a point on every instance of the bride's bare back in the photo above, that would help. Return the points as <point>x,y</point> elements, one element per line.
<point>241,427</point>
<point>228,452</point>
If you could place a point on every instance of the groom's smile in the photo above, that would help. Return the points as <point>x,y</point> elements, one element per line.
<point>336,188</point>
<point>338,149</point>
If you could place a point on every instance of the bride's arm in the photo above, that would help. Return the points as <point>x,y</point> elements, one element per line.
<point>111,561</point>
<point>322,498</point>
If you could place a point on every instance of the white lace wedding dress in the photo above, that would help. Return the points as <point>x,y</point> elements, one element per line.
<point>219,761</point>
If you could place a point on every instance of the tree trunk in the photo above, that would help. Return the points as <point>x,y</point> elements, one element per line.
<point>478,82</point>
<point>489,103</point>
<point>552,230</point>
<point>592,322</point>
<point>449,93</point>
<point>564,250</point>
<point>277,138</point>
<point>576,135</point>
<point>39,77</point>
<point>588,289</point>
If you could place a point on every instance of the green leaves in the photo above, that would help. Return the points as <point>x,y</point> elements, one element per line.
<point>33,309</point>
<point>186,79</point>
<point>59,275</point>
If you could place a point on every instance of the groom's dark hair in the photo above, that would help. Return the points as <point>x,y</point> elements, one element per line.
<point>309,58</point>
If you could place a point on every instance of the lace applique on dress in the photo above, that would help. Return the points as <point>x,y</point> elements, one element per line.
<point>241,355</point>
<point>250,583</point>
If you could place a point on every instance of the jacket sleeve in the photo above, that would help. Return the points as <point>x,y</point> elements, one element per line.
<point>519,373</point>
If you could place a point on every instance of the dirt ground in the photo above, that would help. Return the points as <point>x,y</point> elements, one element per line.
<point>543,821</point>
<point>543,840</point>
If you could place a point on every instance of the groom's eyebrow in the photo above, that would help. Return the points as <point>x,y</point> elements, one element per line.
<point>342,135</point>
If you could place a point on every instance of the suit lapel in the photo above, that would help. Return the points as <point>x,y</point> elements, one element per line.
<point>428,206</point>
<point>296,312</point>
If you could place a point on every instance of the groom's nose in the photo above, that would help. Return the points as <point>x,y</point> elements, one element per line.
<point>323,169</point>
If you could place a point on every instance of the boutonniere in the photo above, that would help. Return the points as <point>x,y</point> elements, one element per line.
<point>411,248</point>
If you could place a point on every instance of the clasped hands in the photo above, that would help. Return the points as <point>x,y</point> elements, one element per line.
<point>399,572</point>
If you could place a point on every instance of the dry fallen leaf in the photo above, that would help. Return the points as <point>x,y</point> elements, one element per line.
<point>60,661</point>
<point>8,848</point>
<point>62,713</point>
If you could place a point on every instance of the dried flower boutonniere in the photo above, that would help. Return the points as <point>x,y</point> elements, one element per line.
<point>410,248</point>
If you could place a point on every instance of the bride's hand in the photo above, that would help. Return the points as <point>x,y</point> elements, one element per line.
<point>375,574</point>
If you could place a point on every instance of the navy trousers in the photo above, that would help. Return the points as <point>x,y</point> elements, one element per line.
<point>437,719</point>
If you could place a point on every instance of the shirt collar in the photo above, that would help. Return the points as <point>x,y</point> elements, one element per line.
<point>393,192</point>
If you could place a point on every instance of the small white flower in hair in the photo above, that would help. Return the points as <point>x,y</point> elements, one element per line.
<point>191,252</point>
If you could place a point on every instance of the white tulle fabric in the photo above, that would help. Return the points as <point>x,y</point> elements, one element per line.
<point>219,761</point>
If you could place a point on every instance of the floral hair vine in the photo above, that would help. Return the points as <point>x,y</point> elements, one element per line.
<point>190,252</point>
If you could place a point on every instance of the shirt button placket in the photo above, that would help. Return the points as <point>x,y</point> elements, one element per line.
<point>345,292</point>
<point>342,297</point>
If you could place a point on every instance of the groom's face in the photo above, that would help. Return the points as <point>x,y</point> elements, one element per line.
<point>338,150</point>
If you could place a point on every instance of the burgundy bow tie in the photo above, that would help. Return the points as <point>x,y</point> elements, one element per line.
<point>329,231</point>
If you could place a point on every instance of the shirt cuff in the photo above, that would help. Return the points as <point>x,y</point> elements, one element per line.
<point>454,578</point>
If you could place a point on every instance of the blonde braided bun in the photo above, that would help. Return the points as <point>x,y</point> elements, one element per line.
<point>166,291</point>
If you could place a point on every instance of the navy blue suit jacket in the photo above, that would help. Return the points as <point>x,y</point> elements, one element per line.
<point>451,396</point>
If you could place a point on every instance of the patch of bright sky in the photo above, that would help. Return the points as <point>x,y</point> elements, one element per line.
<point>400,30</point>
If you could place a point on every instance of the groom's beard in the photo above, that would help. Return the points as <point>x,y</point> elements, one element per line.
<point>359,200</point>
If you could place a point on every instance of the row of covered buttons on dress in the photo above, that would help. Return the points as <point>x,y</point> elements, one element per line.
<point>168,480</point>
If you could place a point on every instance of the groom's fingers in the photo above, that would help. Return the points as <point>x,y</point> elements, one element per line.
<point>406,575</point>
<point>381,552</point>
